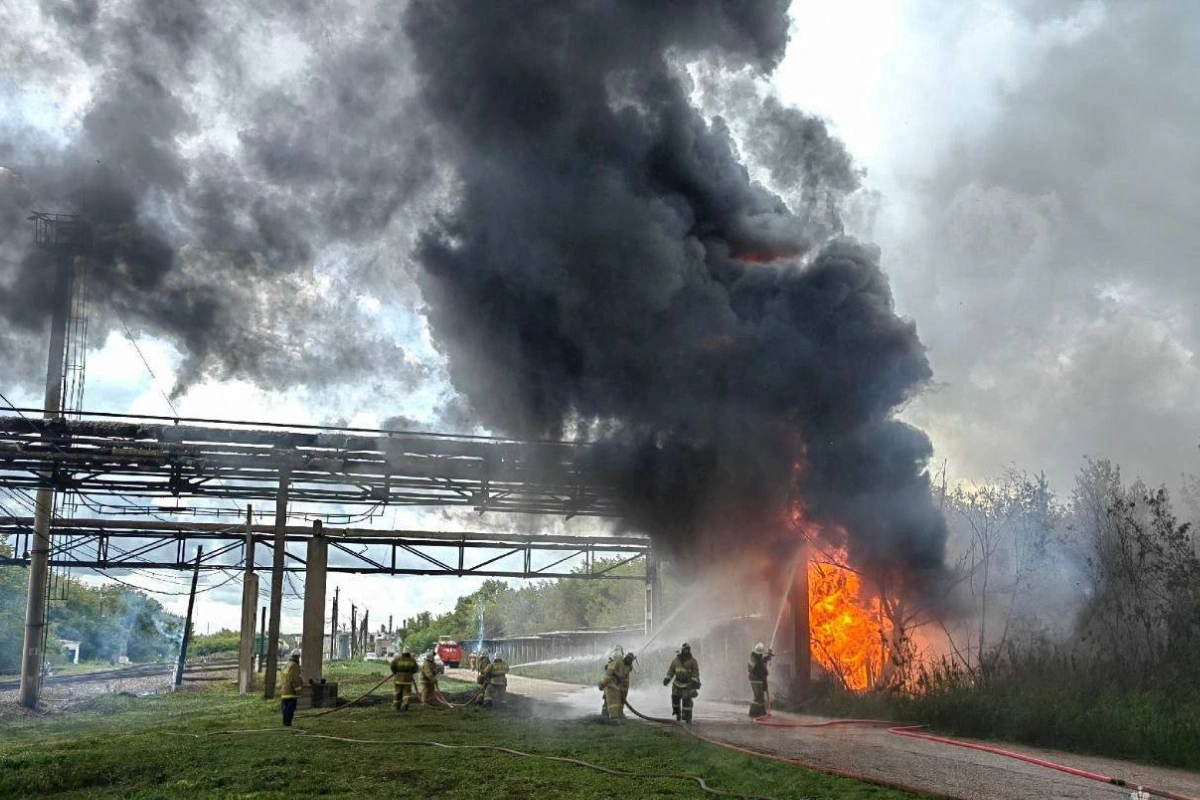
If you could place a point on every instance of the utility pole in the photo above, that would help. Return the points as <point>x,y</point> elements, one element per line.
<point>365,632</point>
<point>353,630</point>
<point>64,237</point>
<point>187,625</point>
<point>262,641</point>
<point>333,626</point>
<point>389,624</point>
<point>280,552</point>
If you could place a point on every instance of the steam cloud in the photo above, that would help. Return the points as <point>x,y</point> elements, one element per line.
<point>601,271</point>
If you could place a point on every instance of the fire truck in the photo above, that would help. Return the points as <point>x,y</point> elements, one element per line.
<point>448,651</point>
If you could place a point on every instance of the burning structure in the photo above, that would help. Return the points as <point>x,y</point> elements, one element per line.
<point>600,264</point>
<point>610,270</point>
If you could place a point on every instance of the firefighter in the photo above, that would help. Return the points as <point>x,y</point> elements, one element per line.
<point>429,682</point>
<point>289,689</point>
<point>760,656</point>
<point>404,667</point>
<point>615,684</point>
<point>495,681</point>
<point>683,676</point>
<point>481,666</point>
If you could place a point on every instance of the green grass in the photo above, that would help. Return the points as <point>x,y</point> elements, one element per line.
<point>132,748</point>
<point>580,672</point>
<point>1059,710</point>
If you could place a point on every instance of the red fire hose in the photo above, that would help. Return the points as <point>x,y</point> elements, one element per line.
<point>914,732</point>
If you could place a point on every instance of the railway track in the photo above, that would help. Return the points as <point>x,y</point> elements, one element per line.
<point>138,671</point>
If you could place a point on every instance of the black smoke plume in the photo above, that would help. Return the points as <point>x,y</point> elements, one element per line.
<point>237,213</point>
<point>610,268</point>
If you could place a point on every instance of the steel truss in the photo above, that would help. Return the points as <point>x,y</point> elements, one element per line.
<point>155,457</point>
<point>138,544</point>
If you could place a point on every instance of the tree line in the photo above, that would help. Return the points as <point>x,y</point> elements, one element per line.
<point>107,621</point>
<point>497,610</point>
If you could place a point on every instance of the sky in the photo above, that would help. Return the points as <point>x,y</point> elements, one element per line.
<point>1030,178</point>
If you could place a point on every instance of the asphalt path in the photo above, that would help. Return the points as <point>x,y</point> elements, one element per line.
<point>872,752</point>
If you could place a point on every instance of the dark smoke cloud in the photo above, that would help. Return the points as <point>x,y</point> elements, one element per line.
<point>238,214</point>
<point>602,272</point>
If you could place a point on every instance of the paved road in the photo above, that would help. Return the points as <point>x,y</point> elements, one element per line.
<point>932,767</point>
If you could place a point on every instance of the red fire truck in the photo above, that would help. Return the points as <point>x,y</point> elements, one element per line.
<point>449,651</point>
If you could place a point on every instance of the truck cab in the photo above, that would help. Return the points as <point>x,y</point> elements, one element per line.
<point>448,651</point>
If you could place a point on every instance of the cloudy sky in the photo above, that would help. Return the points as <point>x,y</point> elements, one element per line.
<point>1030,177</point>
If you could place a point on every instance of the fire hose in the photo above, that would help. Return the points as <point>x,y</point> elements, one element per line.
<point>779,758</point>
<point>679,776</point>
<point>386,678</point>
<point>915,732</point>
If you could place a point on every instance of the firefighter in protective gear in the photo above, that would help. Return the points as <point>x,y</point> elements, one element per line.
<point>404,668</point>
<point>629,658</point>
<point>760,656</point>
<point>290,687</point>
<point>495,681</point>
<point>683,676</point>
<point>615,684</point>
<point>428,682</point>
<point>481,664</point>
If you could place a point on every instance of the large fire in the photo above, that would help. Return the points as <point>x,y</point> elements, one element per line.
<point>849,632</point>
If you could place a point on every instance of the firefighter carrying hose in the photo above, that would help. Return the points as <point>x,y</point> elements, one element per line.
<point>495,681</point>
<point>289,689</point>
<point>428,681</point>
<point>615,683</point>
<point>404,667</point>
<point>757,669</point>
<point>683,676</point>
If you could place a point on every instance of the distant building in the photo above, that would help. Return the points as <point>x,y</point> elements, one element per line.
<point>72,648</point>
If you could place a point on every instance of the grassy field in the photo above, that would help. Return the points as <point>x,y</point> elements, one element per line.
<point>172,746</point>
<point>584,673</point>
<point>1072,712</point>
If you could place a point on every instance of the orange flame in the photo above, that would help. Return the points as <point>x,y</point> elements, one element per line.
<point>848,630</point>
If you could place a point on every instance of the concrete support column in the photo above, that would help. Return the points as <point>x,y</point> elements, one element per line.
<point>246,645</point>
<point>277,562</point>
<point>802,639</point>
<point>653,593</point>
<point>249,606</point>
<point>312,639</point>
<point>32,655</point>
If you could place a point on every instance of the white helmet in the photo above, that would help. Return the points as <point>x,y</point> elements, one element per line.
<point>760,648</point>
<point>496,656</point>
<point>618,652</point>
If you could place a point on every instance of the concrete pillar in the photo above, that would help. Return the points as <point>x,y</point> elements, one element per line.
<point>313,637</point>
<point>32,656</point>
<point>653,593</point>
<point>249,606</point>
<point>277,562</point>
<point>246,645</point>
<point>802,640</point>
